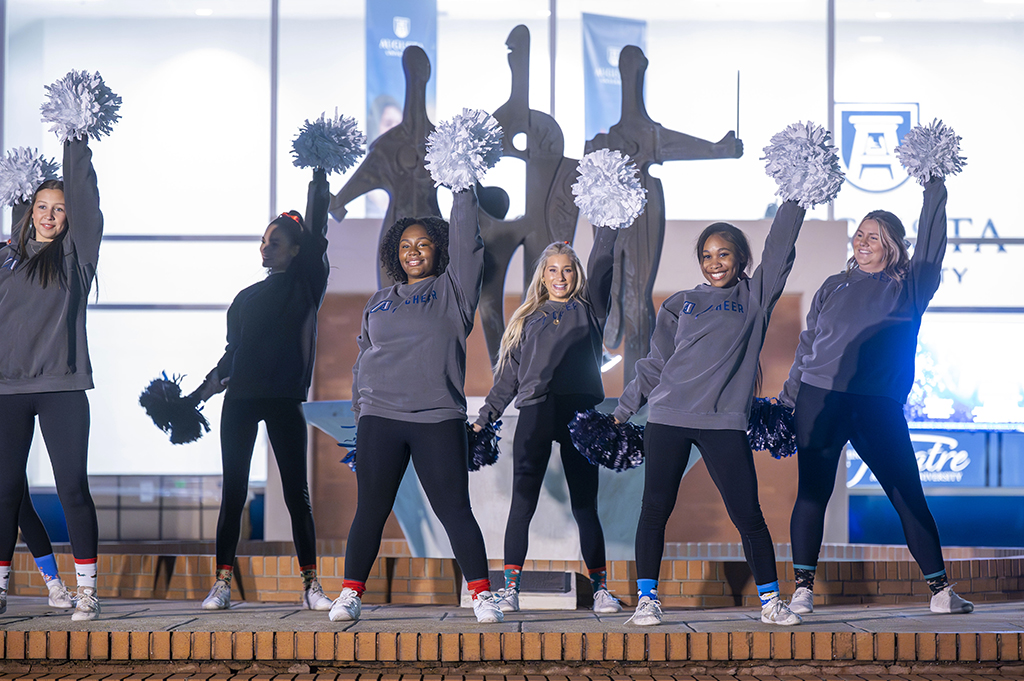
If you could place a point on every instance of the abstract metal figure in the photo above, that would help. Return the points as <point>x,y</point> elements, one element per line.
<point>395,161</point>
<point>550,213</point>
<point>638,249</point>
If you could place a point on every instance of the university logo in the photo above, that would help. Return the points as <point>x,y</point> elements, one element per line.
<point>612,55</point>
<point>382,306</point>
<point>867,135</point>
<point>402,26</point>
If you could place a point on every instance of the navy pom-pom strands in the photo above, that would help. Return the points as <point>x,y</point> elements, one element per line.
<point>772,428</point>
<point>618,446</point>
<point>177,415</point>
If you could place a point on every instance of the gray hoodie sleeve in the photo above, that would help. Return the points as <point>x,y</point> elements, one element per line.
<point>363,341</point>
<point>466,253</point>
<point>648,369</point>
<point>792,386</point>
<point>82,201</point>
<point>779,254</point>
<point>504,390</point>
<point>600,272</point>
<point>926,264</point>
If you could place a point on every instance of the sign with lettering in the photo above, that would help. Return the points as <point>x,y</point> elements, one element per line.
<point>944,458</point>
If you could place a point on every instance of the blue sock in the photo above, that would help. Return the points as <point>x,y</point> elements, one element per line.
<point>647,587</point>
<point>768,591</point>
<point>48,566</point>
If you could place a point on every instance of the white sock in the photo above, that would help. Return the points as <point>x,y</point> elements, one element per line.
<point>5,576</point>
<point>85,572</point>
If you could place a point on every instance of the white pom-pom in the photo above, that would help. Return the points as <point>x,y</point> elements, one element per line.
<point>80,104</point>
<point>462,149</point>
<point>334,144</point>
<point>21,172</point>
<point>608,191</point>
<point>804,163</point>
<point>929,151</point>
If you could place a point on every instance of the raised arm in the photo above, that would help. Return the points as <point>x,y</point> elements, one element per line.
<point>926,264</point>
<point>312,257</point>
<point>779,254</point>
<point>82,201</point>
<point>600,270</point>
<point>466,252</point>
<point>648,369</point>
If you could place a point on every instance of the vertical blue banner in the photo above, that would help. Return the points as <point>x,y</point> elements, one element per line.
<point>603,39</point>
<point>392,26</point>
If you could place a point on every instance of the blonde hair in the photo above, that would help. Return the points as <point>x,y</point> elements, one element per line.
<point>894,248</point>
<point>537,295</point>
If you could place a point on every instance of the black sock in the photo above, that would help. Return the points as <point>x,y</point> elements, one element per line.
<point>804,578</point>
<point>937,584</point>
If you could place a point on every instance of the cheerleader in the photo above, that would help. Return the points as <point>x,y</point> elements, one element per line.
<point>853,370</point>
<point>46,275</point>
<point>699,379</point>
<point>266,369</point>
<point>408,395</point>
<point>549,361</point>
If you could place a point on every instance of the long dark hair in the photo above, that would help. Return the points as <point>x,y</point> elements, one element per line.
<point>735,238</point>
<point>48,264</point>
<point>437,230</point>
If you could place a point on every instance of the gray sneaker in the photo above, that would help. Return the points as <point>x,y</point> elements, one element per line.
<point>605,603</point>
<point>508,600</point>
<point>60,596</point>
<point>346,607</point>
<point>87,606</point>
<point>219,597</point>
<point>648,613</point>
<point>803,601</point>
<point>776,611</point>
<point>314,599</point>
<point>947,602</point>
<point>486,609</point>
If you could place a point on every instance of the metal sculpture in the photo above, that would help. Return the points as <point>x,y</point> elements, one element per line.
<point>638,249</point>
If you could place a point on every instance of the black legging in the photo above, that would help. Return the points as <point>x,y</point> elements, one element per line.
<point>32,529</point>
<point>825,421</point>
<point>731,465</point>
<point>439,454</point>
<point>540,425</point>
<point>64,422</point>
<point>286,427</point>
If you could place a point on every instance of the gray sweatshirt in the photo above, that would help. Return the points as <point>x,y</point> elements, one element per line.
<point>702,366</point>
<point>412,347</point>
<point>561,347</point>
<point>862,329</point>
<point>44,346</point>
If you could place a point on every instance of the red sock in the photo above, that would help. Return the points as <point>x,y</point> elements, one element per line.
<point>478,586</point>
<point>358,587</point>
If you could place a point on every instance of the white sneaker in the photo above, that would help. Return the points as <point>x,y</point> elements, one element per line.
<point>776,611</point>
<point>219,597</point>
<point>60,595</point>
<point>3,601</point>
<point>508,600</point>
<point>648,613</point>
<point>605,603</point>
<point>346,607</point>
<point>802,601</point>
<point>947,602</point>
<point>314,599</point>
<point>87,606</point>
<point>486,609</point>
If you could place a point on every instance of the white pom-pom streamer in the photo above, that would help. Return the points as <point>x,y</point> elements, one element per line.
<point>462,149</point>
<point>929,151</point>
<point>80,104</point>
<point>804,163</point>
<point>334,144</point>
<point>21,172</point>
<point>608,191</point>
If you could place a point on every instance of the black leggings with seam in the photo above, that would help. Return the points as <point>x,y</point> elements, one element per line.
<point>731,466</point>
<point>825,421</point>
<point>286,428</point>
<point>64,423</point>
<point>32,529</point>
<point>539,425</point>
<point>439,454</point>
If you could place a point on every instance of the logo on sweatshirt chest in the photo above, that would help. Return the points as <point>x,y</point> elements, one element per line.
<point>690,308</point>
<point>390,306</point>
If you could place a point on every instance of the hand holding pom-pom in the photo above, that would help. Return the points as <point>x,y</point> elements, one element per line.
<point>462,149</point>
<point>483,445</point>
<point>608,191</point>
<point>333,144</point>
<point>804,163</point>
<point>80,104</point>
<point>772,428</point>
<point>177,415</point>
<point>931,151</point>
<point>21,172</point>
<point>618,446</point>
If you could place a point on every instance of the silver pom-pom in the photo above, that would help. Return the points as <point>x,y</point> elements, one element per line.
<point>804,163</point>
<point>333,144</point>
<point>21,172</point>
<point>929,151</point>
<point>608,191</point>
<point>80,104</point>
<point>462,149</point>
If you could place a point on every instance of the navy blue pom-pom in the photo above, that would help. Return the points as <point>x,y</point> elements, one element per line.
<point>618,446</point>
<point>178,416</point>
<point>772,428</point>
<point>350,458</point>
<point>483,445</point>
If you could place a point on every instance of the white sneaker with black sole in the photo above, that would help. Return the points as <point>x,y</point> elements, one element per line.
<point>803,601</point>
<point>948,602</point>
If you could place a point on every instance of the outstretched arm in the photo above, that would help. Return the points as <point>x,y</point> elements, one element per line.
<point>930,249</point>
<point>779,253</point>
<point>82,202</point>
<point>312,257</point>
<point>600,272</point>
<point>466,252</point>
